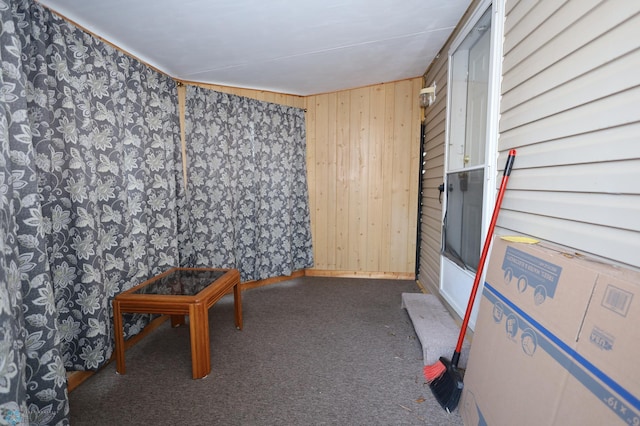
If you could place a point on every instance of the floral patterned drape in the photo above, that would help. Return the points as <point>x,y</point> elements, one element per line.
<point>88,172</point>
<point>105,138</point>
<point>247,199</point>
<point>30,356</point>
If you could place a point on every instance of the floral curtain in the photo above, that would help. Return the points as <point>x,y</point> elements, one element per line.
<point>246,204</point>
<point>88,192</point>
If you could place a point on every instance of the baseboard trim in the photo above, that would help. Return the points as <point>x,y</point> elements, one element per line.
<point>360,274</point>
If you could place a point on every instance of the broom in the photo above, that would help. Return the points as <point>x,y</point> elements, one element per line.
<point>444,378</point>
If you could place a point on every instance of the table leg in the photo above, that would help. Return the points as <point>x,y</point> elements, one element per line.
<point>237,302</point>
<point>200,344</point>
<point>118,334</point>
<point>177,320</point>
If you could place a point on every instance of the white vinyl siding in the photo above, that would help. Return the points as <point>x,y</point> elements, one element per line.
<point>571,107</point>
<point>431,230</point>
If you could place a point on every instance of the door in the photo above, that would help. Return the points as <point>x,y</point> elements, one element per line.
<point>470,140</point>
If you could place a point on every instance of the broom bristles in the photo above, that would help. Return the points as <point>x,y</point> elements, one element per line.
<point>447,388</point>
<point>434,371</point>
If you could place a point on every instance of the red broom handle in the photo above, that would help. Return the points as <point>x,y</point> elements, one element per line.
<point>483,256</point>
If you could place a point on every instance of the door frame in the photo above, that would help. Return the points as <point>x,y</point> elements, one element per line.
<point>455,296</point>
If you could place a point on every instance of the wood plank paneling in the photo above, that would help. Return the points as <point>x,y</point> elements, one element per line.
<point>358,184</point>
<point>387,156</point>
<point>332,189</point>
<point>366,141</point>
<point>320,177</point>
<point>343,117</point>
<point>403,176</point>
<point>375,179</point>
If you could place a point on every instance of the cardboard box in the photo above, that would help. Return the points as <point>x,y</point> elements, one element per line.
<point>556,342</point>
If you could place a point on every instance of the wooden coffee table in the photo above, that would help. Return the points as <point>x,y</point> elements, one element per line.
<point>179,292</point>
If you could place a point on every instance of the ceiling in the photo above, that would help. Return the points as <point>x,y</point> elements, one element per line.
<point>299,47</point>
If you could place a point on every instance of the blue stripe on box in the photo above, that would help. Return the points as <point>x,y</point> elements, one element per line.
<point>569,359</point>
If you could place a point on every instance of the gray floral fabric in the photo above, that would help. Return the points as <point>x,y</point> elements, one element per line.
<point>246,204</point>
<point>88,172</point>
<point>92,199</point>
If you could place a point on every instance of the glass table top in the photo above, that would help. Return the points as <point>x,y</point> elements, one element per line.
<point>182,282</point>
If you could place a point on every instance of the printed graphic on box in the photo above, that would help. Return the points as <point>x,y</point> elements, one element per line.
<point>530,271</point>
<point>533,336</point>
<point>528,339</point>
<point>617,300</point>
<point>601,339</point>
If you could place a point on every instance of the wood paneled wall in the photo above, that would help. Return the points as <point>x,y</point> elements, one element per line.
<point>363,148</point>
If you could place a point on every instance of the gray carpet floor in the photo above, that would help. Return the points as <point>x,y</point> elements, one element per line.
<point>314,351</point>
